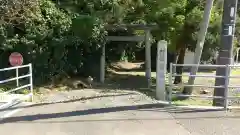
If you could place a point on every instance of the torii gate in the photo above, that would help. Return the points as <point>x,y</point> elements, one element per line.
<point>146,38</point>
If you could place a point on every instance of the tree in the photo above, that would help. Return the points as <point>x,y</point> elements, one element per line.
<point>16,11</point>
<point>185,17</point>
<point>63,37</point>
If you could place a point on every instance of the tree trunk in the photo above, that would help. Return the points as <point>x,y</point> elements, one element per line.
<point>171,58</point>
<point>179,69</point>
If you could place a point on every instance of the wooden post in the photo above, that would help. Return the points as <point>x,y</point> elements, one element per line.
<point>148,57</point>
<point>102,64</point>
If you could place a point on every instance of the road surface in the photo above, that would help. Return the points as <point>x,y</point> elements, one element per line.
<point>119,114</point>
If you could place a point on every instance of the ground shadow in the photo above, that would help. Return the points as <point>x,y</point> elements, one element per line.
<point>79,113</point>
<point>118,81</point>
<point>143,107</point>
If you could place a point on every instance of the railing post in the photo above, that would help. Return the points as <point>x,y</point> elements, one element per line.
<point>17,81</point>
<point>31,80</point>
<point>170,84</point>
<point>227,70</point>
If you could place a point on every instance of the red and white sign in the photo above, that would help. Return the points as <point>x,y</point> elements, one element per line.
<point>16,59</point>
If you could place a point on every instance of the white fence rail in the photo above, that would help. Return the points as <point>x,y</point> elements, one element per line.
<point>226,86</point>
<point>13,99</point>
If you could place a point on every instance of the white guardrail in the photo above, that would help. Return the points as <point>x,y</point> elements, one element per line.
<point>10,99</point>
<point>226,87</point>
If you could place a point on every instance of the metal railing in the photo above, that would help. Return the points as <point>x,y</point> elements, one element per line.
<point>17,78</point>
<point>226,86</point>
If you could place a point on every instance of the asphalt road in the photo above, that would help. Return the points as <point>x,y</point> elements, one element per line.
<point>68,119</point>
<point>105,115</point>
<point>117,115</point>
<point>209,122</point>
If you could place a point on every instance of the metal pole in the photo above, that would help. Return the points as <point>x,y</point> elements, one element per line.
<point>31,80</point>
<point>17,81</point>
<point>170,83</point>
<point>226,51</point>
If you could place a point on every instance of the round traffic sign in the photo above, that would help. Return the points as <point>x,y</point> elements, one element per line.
<point>16,59</point>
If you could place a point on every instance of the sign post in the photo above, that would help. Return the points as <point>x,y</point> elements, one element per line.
<point>161,69</point>
<point>16,59</point>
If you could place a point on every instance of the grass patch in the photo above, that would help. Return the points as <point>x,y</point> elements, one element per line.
<point>10,86</point>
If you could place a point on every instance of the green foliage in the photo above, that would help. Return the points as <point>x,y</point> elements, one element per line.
<point>64,37</point>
